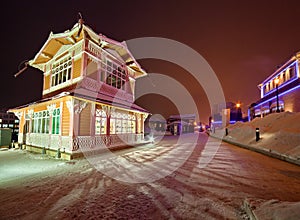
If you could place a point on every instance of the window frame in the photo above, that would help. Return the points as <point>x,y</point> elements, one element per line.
<point>61,71</point>
<point>40,122</point>
<point>56,123</point>
<point>113,73</point>
<point>100,122</point>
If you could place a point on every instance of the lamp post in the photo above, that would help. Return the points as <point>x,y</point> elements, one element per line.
<point>277,98</point>
<point>238,105</point>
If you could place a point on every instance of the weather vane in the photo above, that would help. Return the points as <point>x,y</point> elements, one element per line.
<point>80,22</point>
<point>25,62</point>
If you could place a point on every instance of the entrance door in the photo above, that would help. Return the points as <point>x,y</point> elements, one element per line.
<point>25,131</point>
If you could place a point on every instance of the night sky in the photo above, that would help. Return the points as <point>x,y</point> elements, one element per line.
<point>243,41</point>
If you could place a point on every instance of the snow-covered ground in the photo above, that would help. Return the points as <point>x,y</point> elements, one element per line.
<point>279,135</point>
<point>274,209</point>
<point>34,186</point>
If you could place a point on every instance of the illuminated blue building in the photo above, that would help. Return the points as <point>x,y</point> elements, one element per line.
<point>280,91</point>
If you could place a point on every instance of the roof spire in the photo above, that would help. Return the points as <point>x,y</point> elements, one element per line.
<point>80,19</point>
<point>80,22</point>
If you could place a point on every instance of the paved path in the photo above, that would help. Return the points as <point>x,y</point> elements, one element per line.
<point>77,190</point>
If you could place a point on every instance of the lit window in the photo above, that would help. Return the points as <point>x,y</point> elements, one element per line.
<point>272,85</point>
<point>40,122</point>
<point>61,71</point>
<point>292,72</point>
<point>113,74</point>
<point>118,118</point>
<point>56,121</point>
<point>100,122</point>
<point>122,123</point>
<point>113,123</point>
<point>131,124</point>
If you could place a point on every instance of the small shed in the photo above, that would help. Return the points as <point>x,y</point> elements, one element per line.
<point>5,137</point>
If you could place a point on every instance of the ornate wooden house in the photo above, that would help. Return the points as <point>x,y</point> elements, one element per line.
<point>88,96</point>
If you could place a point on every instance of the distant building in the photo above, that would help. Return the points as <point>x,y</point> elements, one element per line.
<point>155,125</point>
<point>9,120</point>
<point>280,91</point>
<point>88,94</point>
<point>224,115</point>
<point>178,124</point>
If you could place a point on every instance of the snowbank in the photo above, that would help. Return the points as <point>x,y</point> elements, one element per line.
<point>273,209</point>
<point>279,137</point>
<point>279,133</point>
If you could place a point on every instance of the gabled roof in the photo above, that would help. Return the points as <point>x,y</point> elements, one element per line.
<point>77,33</point>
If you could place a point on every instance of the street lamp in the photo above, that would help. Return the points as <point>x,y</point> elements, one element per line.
<point>238,105</point>
<point>277,98</point>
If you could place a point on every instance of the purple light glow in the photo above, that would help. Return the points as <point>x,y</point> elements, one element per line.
<point>283,84</point>
<point>281,94</point>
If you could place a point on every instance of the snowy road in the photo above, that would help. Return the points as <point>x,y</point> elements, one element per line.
<point>54,189</point>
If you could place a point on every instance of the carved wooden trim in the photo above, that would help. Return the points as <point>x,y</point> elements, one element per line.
<point>51,108</point>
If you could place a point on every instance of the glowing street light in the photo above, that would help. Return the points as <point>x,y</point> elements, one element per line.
<point>238,106</point>
<point>277,95</point>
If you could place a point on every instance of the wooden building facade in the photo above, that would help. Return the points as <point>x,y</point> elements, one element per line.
<point>88,96</point>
